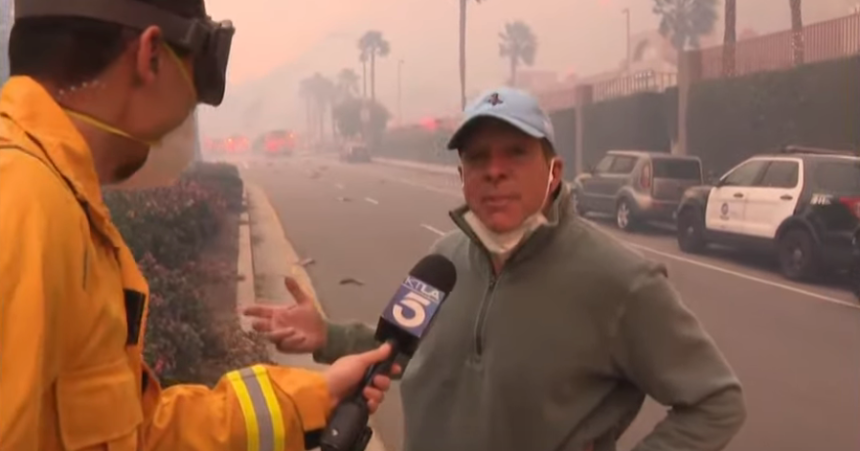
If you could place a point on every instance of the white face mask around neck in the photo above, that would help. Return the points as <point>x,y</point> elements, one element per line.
<point>502,244</point>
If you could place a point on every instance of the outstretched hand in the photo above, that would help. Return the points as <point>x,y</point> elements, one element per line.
<point>293,329</point>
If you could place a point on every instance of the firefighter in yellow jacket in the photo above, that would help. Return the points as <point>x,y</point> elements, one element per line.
<point>96,84</point>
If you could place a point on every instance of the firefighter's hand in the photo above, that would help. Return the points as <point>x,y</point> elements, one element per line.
<point>344,375</point>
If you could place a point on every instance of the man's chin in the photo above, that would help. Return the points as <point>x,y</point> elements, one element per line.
<point>501,224</point>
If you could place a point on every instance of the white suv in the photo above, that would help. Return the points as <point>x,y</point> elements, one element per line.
<point>803,204</point>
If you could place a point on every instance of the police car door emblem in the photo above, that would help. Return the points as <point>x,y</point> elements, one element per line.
<point>724,211</point>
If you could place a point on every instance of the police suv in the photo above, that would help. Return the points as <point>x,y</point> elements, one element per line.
<point>803,204</point>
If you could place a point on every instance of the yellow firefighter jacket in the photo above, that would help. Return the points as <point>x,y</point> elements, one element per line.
<point>73,307</point>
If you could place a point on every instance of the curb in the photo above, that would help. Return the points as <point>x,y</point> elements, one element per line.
<point>273,255</point>
<point>429,167</point>
<point>265,257</point>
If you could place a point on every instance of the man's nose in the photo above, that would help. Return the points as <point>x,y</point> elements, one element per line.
<point>497,168</point>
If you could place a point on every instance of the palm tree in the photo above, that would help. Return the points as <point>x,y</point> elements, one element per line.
<point>323,91</point>
<point>373,44</point>
<point>306,91</point>
<point>347,83</point>
<point>318,93</point>
<point>730,38</point>
<point>519,45</point>
<point>683,22</point>
<point>363,56</point>
<point>463,4</point>
<point>797,43</point>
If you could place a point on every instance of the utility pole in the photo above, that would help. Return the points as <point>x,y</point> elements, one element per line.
<point>627,40</point>
<point>399,92</point>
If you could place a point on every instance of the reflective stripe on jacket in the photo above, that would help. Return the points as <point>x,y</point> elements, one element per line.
<point>71,370</point>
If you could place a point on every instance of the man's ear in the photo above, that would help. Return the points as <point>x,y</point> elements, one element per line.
<point>557,172</point>
<point>460,171</point>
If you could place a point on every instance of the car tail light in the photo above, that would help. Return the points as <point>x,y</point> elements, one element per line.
<point>852,204</point>
<point>645,177</point>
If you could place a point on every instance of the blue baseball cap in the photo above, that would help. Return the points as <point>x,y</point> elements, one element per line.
<point>509,105</point>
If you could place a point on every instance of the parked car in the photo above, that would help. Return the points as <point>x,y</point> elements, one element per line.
<point>636,186</point>
<point>802,204</point>
<point>355,152</point>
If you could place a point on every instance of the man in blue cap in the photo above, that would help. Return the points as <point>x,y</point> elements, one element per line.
<point>555,332</point>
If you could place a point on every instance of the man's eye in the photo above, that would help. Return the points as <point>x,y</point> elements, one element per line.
<point>476,157</point>
<point>517,151</point>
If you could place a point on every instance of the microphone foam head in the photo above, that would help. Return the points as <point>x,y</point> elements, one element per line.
<point>436,271</point>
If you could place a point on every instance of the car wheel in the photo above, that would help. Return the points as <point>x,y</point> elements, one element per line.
<point>796,254</point>
<point>624,216</point>
<point>691,231</point>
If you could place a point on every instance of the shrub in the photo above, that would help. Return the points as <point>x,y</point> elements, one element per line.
<point>173,224</point>
<point>167,229</point>
<point>818,105</point>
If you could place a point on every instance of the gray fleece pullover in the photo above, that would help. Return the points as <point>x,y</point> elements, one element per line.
<point>558,351</point>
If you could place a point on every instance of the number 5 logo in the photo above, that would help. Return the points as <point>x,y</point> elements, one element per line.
<point>416,316</point>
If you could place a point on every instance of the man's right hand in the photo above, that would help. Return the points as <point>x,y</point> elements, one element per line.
<point>294,329</point>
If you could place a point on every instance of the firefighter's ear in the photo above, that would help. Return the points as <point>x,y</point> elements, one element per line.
<point>148,54</point>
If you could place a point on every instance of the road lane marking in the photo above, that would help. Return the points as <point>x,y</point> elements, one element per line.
<point>720,269</point>
<point>371,200</point>
<point>430,188</point>
<point>433,229</point>
<point>338,186</point>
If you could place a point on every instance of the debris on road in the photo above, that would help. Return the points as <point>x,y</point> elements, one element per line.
<point>351,281</point>
<point>344,199</point>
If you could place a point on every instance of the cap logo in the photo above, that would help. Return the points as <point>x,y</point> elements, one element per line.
<point>494,99</point>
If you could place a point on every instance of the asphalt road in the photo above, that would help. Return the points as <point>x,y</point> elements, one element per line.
<point>795,347</point>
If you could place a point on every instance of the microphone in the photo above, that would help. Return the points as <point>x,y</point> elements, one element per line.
<point>402,324</point>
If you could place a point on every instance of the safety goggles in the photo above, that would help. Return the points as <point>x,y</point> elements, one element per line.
<point>208,41</point>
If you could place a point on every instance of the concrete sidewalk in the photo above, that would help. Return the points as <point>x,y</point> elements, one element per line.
<point>265,257</point>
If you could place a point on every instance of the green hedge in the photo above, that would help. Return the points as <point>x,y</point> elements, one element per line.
<point>635,122</point>
<point>417,143</point>
<point>645,121</point>
<point>168,230</point>
<point>814,105</point>
<point>564,125</point>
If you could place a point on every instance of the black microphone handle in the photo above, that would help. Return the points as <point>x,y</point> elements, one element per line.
<point>347,429</point>
<point>383,367</point>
